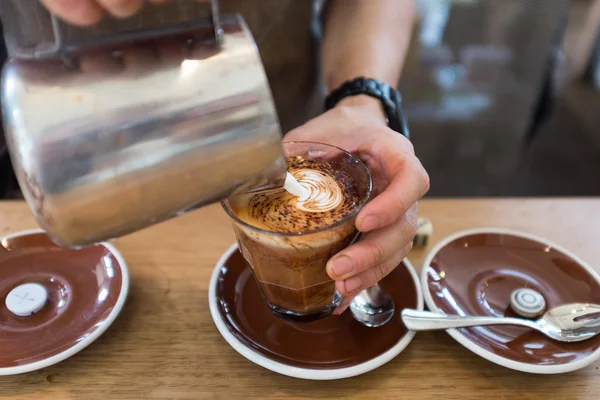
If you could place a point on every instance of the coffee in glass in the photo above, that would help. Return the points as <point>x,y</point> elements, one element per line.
<point>287,240</point>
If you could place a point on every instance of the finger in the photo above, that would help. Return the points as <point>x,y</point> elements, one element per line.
<point>345,303</point>
<point>374,249</point>
<point>408,181</point>
<point>343,306</point>
<point>354,285</point>
<point>76,12</point>
<point>121,8</point>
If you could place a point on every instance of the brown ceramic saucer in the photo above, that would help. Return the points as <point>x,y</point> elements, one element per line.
<point>84,291</point>
<point>331,348</point>
<point>474,272</point>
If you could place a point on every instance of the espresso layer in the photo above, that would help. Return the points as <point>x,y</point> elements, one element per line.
<point>332,195</point>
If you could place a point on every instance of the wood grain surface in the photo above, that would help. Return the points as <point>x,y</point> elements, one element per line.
<point>164,345</point>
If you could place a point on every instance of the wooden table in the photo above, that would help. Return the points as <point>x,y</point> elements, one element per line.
<point>165,345</point>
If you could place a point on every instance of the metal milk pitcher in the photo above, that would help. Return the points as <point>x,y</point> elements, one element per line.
<point>115,128</point>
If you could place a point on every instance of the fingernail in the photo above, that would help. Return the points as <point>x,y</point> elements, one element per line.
<point>371,223</point>
<point>353,284</point>
<point>340,310</point>
<point>342,265</point>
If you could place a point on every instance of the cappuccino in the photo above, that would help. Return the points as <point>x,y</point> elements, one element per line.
<point>287,240</point>
<point>330,196</point>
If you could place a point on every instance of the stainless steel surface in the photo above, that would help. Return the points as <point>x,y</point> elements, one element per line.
<point>135,135</point>
<point>568,323</point>
<point>372,307</point>
<point>32,32</point>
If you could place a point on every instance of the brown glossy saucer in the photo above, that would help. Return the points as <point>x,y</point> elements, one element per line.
<point>80,292</point>
<point>334,347</point>
<point>474,272</point>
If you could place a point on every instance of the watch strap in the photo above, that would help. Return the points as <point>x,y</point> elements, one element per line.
<point>390,98</point>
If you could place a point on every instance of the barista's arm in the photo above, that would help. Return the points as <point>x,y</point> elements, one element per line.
<point>365,38</point>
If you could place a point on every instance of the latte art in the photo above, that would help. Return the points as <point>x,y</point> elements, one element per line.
<point>324,192</point>
<point>329,196</point>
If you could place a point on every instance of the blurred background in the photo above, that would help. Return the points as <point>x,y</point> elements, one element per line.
<point>503,98</point>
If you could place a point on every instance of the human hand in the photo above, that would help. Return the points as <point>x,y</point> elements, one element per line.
<point>88,12</point>
<point>389,221</point>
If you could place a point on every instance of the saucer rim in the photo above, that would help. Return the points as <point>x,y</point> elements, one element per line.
<point>71,351</point>
<point>298,372</point>
<point>480,351</point>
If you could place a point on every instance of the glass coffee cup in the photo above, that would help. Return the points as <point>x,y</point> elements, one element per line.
<point>290,267</point>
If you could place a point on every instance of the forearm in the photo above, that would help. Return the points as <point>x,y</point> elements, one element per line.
<point>365,38</point>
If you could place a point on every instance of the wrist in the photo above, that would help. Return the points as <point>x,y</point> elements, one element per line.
<point>381,100</point>
<point>367,103</point>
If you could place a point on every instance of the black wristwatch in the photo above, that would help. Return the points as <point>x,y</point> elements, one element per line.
<point>390,99</point>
